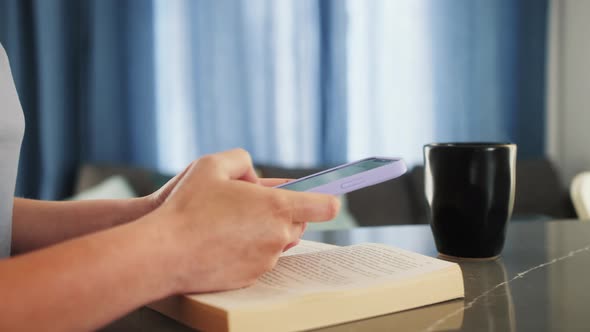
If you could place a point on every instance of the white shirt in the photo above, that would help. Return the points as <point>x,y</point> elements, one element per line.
<point>12,127</point>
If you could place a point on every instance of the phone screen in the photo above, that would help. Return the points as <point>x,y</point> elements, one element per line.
<point>337,174</point>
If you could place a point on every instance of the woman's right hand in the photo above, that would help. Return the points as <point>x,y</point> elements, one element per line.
<point>222,229</point>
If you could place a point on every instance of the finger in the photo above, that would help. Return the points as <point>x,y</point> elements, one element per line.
<point>297,229</point>
<point>307,206</point>
<point>272,182</point>
<point>235,164</point>
<point>164,191</point>
<point>291,245</point>
<point>174,181</point>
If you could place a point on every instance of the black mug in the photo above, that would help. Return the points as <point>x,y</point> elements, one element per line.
<point>470,193</point>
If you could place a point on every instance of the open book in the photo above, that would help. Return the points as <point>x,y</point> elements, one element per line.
<point>316,284</point>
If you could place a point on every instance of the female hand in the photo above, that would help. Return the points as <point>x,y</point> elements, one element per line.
<point>223,229</point>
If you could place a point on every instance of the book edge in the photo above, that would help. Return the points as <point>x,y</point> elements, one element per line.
<point>286,315</point>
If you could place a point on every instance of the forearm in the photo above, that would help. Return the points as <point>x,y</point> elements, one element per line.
<point>86,282</point>
<point>37,224</point>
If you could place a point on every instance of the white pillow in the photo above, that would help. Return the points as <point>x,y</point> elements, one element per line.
<point>114,187</point>
<point>580,194</point>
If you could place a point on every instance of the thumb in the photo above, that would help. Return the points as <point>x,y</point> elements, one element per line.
<point>235,164</point>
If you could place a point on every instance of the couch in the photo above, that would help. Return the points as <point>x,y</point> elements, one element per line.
<point>539,192</point>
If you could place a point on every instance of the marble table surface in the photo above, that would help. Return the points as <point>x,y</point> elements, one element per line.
<point>540,283</point>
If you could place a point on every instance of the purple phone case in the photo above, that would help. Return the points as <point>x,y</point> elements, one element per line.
<point>357,181</point>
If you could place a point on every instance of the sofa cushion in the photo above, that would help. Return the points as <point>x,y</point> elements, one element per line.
<point>114,187</point>
<point>399,201</point>
<point>387,203</point>
<point>538,192</point>
<point>143,181</point>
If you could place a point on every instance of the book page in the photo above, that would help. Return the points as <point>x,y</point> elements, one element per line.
<point>306,247</point>
<point>328,270</point>
<point>346,266</point>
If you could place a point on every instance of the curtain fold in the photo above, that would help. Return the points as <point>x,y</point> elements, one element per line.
<point>489,76</point>
<point>16,31</point>
<point>445,70</point>
<point>84,73</point>
<point>390,92</point>
<point>261,74</point>
<point>157,83</point>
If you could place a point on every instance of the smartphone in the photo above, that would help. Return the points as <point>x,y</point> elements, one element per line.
<point>349,177</point>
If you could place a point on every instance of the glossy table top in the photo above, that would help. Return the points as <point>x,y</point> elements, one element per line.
<point>541,283</point>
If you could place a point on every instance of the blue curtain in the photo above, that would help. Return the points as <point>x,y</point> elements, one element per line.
<point>489,71</point>
<point>157,83</point>
<point>268,76</point>
<point>84,72</point>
